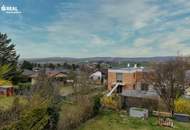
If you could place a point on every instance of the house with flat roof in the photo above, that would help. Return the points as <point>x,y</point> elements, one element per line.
<point>130,78</point>
<point>130,83</point>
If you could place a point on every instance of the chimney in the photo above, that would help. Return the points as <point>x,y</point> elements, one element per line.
<point>135,66</point>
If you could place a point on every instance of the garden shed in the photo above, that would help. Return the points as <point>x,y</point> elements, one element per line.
<point>6,88</point>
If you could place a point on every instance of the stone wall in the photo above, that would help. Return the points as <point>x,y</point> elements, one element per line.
<point>150,104</point>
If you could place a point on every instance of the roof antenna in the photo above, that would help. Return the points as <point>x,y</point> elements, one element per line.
<point>128,65</point>
<point>135,66</point>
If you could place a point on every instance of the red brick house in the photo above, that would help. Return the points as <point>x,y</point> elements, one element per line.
<point>131,85</point>
<point>129,78</point>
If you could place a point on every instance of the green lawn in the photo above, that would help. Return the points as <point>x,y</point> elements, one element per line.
<point>7,102</point>
<point>109,120</point>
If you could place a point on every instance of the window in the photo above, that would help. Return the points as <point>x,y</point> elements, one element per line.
<point>119,77</point>
<point>134,87</point>
<point>144,87</point>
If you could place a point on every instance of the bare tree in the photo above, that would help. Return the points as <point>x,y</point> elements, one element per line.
<point>81,85</point>
<point>168,79</point>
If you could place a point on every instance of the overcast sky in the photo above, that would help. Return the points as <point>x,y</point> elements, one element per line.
<point>88,28</point>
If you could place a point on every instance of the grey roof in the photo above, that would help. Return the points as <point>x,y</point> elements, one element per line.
<point>27,72</point>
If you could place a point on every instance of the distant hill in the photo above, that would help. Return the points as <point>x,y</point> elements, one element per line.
<point>97,59</point>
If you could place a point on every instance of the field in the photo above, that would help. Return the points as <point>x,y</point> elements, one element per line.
<point>109,120</point>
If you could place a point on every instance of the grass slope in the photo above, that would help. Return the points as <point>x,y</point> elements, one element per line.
<point>109,120</point>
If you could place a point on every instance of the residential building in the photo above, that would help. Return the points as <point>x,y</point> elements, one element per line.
<point>132,85</point>
<point>58,75</point>
<point>130,78</point>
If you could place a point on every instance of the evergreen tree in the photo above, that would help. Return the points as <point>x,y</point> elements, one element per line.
<point>8,56</point>
<point>7,51</point>
<point>27,65</point>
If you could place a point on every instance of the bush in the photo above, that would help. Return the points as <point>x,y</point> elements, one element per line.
<point>22,88</point>
<point>97,105</point>
<point>72,115</point>
<point>35,119</point>
<point>110,102</point>
<point>182,106</point>
<point>41,113</point>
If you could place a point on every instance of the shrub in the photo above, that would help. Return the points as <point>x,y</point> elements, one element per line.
<point>97,105</point>
<point>72,115</point>
<point>182,106</point>
<point>110,102</point>
<point>24,85</point>
<point>42,111</point>
<point>35,119</point>
<point>22,88</point>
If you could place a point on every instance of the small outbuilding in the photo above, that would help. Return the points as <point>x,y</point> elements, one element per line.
<point>138,112</point>
<point>6,88</point>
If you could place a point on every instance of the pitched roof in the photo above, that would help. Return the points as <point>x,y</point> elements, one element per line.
<point>27,72</point>
<point>54,74</point>
<point>96,74</point>
<point>35,75</point>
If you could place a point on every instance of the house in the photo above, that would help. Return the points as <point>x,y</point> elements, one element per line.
<point>96,77</point>
<point>26,75</point>
<point>51,74</point>
<point>56,73</point>
<point>34,78</point>
<point>58,76</point>
<point>27,72</point>
<point>6,88</point>
<point>130,84</point>
<point>130,78</point>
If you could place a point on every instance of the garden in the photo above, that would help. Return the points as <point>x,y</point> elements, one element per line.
<point>113,120</point>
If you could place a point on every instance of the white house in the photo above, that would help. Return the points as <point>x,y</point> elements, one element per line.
<point>96,76</point>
